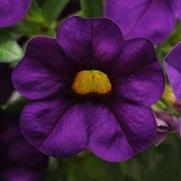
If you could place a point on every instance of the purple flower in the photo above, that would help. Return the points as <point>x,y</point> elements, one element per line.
<point>173,68</point>
<point>12,11</point>
<point>153,19</point>
<point>19,160</point>
<point>89,89</point>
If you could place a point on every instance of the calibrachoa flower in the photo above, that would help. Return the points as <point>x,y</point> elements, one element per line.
<point>145,18</point>
<point>19,160</point>
<point>89,89</point>
<point>173,68</point>
<point>12,11</point>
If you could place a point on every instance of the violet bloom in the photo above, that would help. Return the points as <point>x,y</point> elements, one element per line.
<point>12,11</point>
<point>153,19</point>
<point>173,68</point>
<point>19,160</point>
<point>89,89</point>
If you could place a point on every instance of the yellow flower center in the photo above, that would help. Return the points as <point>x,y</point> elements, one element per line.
<point>168,95</point>
<point>91,81</point>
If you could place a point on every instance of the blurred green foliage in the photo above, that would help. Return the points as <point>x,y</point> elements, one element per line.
<point>162,163</point>
<point>10,51</point>
<point>92,8</point>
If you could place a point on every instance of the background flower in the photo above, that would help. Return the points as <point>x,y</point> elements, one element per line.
<point>173,68</point>
<point>12,11</point>
<point>145,18</point>
<point>19,160</point>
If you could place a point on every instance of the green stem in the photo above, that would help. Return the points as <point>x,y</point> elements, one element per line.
<point>92,8</point>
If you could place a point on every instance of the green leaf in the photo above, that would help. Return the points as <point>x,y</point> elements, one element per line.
<point>92,8</point>
<point>35,14</point>
<point>52,9</point>
<point>10,51</point>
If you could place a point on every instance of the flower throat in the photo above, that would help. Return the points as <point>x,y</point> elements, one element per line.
<point>91,82</point>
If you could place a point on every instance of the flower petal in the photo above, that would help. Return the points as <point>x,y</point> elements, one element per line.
<point>55,127</point>
<point>86,41</point>
<point>12,11</point>
<point>177,8</point>
<point>173,67</point>
<point>137,122</point>
<point>138,72</point>
<point>42,71</point>
<point>107,139</point>
<point>122,131</point>
<point>142,18</point>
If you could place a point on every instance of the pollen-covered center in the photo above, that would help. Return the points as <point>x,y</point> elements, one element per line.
<point>91,81</point>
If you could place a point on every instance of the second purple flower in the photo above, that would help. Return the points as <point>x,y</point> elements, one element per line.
<point>153,19</point>
<point>12,11</point>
